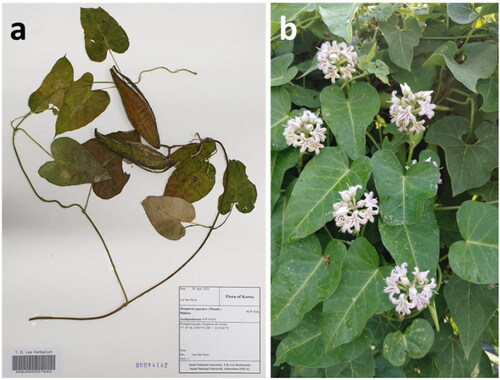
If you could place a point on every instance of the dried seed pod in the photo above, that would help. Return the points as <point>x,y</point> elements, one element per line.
<point>140,154</point>
<point>138,110</point>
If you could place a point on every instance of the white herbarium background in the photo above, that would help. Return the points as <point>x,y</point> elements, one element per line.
<point>53,261</point>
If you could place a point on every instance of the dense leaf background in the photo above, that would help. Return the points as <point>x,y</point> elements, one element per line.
<point>330,316</point>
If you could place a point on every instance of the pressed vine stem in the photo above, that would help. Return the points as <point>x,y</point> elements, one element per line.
<point>83,209</point>
<point>211,229</point>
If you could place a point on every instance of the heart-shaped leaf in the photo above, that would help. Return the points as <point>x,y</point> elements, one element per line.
<point>303,279</point>
<point>338,18</point>
<point>416,342</point>
<point>53,87</point>
<point>475,259</point>
<point>192,180</point>
<point>362,366</point>
<point>72,165</point>
<point>488,88</point>
<point>113,164</point>
<point>81,105</point>
<point>281,72</point>
<point>238,189</point>
<point>402,194</point>
<point>480,63</point>
<point>416,244</point>
<point>203,150</point>
<point>348,118</point>
<point>167,213</point>
<point>303,345</point>
<point>102,33</point>
<point>311,207</point>
<point>462,13</point>
<point>469,165</point>
<point>419,78</point>
<point>472,308</point>
<point>401,40</point>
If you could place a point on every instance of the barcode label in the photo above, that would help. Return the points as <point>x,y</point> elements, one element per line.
<point>33,363</point>
<point>29,362</point>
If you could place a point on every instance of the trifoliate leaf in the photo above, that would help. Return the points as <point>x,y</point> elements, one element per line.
<point>102,33</point>
<point>81,105</point>
<point>53,87</point>
<point>167,213</point>
<point>72,165</point>
<point>238,189</point>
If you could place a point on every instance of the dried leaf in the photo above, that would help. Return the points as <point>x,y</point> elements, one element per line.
<point>72,165</point>
<point>113,164</point>
<point>237,189</point>
<point>81,105</point>
<point>53,87</point>
<point>102,33</point>
<point>205,150</point>
<point>140,154</point>
<point>138,110</point>
<point>166,214</point>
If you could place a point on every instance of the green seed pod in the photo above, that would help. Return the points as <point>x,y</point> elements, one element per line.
<point>140,154</point>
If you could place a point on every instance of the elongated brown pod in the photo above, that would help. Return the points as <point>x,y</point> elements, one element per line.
<point>137,108</point>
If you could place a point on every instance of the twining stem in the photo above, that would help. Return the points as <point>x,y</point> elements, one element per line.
<point>451,208</point>
<point>211,229</point>
<point>83,209</point>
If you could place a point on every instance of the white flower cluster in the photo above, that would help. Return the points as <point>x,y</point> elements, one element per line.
<point>404,111</point>
<point>336,58</point>
<point>429,159</point>
<point>409,296</point>
<point>351,215</point>
<point>305,131</point>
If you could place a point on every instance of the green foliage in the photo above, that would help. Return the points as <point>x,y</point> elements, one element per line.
<point>102,33</point>
<point>436,190</point>
<point>72,165</point>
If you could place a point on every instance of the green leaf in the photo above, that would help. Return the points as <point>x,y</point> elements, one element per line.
<point>419,78</point>
<point>380,69</point>
<point>480,62</point>
<point>449,355</point>
<point>472,307</point>
<point>102,33</point>
<point>53,88</point>
<point>81,105</point>
<point>238,189</point>
<point>399,138</point>
<point>488,88</point>
<point>203,150</point>
<point>385,369</point>
<point>280,113</point>
<point>362,366</point>
<point>338,17</point>
<point>416,342</point>
<point>304,346</point>
<point>112,162</point>
<point>448,228</point>
<point>277,220</point>
<point>281,72</point>
<point>401,40</point>
<point>304,96</point>
<point>416,244</point>
<point>307,372</point>
<point>311,207</point>
<point>303,279</point>
<point>469,165</point>
<point>289,10</point>
<point>488,192</point>
<point>348,118</point>
<point>280,163</point>
<point>402,194</point>
<point>462,13</point>
<point>358,296</point>
<point>193,179</point>
<point>475,259</point>
<point>167,213</point>
<point>72,165</point>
